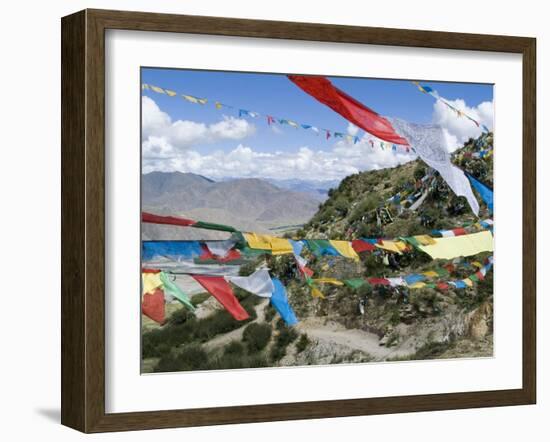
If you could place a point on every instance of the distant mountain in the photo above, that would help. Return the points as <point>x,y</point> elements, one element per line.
<point>318,189</point>
<point>247,204</point>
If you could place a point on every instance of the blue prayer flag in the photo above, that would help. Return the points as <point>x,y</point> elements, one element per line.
<point>279,300</point>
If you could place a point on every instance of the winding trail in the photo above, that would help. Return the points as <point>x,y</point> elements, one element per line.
<point>352,338</point>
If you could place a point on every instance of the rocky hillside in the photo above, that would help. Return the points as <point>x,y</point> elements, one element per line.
<point>354,325</point>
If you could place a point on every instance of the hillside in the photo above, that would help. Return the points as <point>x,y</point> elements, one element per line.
<point>371,323</point>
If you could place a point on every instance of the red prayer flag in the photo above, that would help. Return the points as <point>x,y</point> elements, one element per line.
<point>352,110</point>
<point>442,286</point>
<point>146,270</point>
<point>218,287</point>
<point>362,246</point>
<point>152,305</point>
<point>171,220</point>
<point>459,231</point>
<point>378,281</point>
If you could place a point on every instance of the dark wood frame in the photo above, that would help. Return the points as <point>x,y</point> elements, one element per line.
<point>83,216</point>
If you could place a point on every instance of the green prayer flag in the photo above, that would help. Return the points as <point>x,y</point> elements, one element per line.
<point>411,240</point>
<point>214,226</point>
<point>441,272</point>
<point>355,283</point>
<point>175,291</point>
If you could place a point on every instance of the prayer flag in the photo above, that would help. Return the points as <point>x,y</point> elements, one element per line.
<point>259,283</point>
<point>171,220</point>
<point>484,191</point>
<point>357,113</point>
<point>345,249</point>
<point>279,300</point>
<point>465,245</point>
<point>218,287</point>
<point>172,289</point>
<point>152,306</point>
<point>175,250</point>
<point>151,281</point>
<point>354,283</point>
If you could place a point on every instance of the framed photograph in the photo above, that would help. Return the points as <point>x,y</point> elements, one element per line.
<point>265,221</point>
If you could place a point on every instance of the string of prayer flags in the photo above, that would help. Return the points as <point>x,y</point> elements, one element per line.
<point>258,283</point>
<point>352,110</point>
<point>465,245</point>
<point>279,300</point>
<point>218,287</point>
<point>428,90</point>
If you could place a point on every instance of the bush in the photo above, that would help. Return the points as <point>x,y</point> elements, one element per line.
<point>285,337</point>
<point>256,336</point>
<point>191,357</point>
<point>234,348</point>
<point>269,312</point>
<point>302,343</point>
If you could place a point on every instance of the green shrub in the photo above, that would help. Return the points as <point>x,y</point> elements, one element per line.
<point>284,338</point>
<point>256,336</point>
<point>302,343</point>
<point>234,348</point>
<point>269,312</point>
<point>191,357</point>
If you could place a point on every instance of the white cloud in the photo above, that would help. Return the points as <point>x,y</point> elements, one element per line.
<point>164,138</point>
<point>458,129</point>
<point>343,159</point>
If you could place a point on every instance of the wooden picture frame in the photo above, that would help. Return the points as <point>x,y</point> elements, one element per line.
<point>83,220</point>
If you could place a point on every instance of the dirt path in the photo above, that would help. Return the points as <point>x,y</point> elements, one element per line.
<point>236,334</point>
<point>354,339</point>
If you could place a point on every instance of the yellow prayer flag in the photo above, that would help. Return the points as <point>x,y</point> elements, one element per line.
<point>345,249</point>
<point>390,246</point>
<point>333,281</point>
<point>430,274</point>
<point>468,282</point>
<point>150,282</point>
<point>417,285</point>
<point>170,93</point>
<point>202,100</point>
<point>455,246</point>
<point>316,293</point>
<point>191,98</point>
<point>477,264</point>
<point>424,240</point>
<point>277,246</point>
<point>157,89</point>
<point>218,105</point>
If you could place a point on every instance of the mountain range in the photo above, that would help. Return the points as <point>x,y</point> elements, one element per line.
<point>249,204</point>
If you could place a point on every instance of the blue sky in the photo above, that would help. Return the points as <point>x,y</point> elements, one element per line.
<point>274,94</point>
